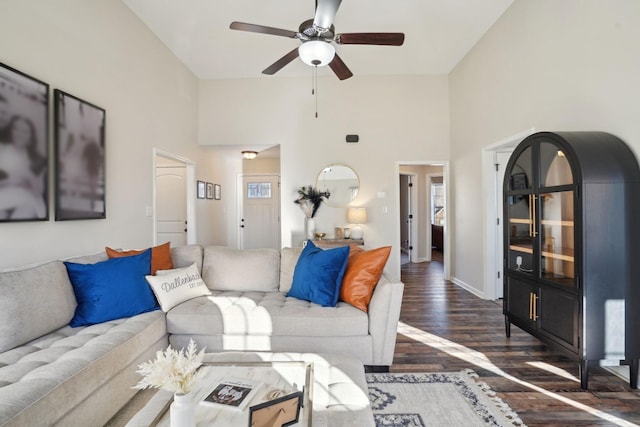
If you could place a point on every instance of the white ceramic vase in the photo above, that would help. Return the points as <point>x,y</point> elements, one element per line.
<point>183,411</point>
<point>311,228</point>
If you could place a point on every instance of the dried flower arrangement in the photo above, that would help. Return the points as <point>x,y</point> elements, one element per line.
<point>172,370</point>
<point>310,200</point>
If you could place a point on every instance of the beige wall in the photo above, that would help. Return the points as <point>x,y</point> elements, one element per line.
<point>98,51</point>
<point>397,118</point>
<point>569,65</point>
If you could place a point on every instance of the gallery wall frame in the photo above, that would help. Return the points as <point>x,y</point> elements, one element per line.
<point>24,147</point>
<point>209,190</point>
<point>80,173</point>
<point>217,190</point>
<point>201,188</point>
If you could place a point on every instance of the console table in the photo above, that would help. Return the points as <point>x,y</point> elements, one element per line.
<point>334,243</point>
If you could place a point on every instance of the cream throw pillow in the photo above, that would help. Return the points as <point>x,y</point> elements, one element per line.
<point>171,287</point>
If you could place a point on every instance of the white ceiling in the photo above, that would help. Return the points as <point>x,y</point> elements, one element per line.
<point>438,33</point>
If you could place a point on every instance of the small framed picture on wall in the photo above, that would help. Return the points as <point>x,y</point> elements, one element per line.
<point>216,191</point>
<point>201,190</point>
<point>209,190</point>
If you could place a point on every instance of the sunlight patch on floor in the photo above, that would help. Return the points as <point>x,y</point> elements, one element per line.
<point>554,370</point>
<point>479,359</point>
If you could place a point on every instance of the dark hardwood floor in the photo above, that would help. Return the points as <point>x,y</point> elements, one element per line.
<point>444,328</point>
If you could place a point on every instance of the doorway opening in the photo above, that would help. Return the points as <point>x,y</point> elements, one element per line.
<point>173,210</point>
<point>423,212</point>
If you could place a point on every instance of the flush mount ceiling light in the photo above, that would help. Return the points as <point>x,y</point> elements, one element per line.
<point>316,52</point>
<point>249,155</point>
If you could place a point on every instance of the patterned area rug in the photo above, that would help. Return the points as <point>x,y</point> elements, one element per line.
<point>438,399</point>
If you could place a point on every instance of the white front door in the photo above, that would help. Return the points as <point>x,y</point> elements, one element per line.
<point>171,205</point>
<point>260,213</point>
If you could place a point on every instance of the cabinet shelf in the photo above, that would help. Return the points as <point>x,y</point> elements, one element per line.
<point>566,254</point>
<point>520,220</point>
<point>525,249</point>
<point>563,223</point>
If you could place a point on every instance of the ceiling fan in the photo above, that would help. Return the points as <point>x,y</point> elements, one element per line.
<point>316,36</point>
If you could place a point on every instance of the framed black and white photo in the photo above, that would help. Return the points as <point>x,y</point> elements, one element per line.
<point>209,190</point>
<point>201,190</point>
<point>79,158</point>
<point>216,191</point>
<point>24,147</point>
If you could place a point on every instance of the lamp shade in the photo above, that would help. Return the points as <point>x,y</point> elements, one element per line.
<point>357,215</point>
<point>316,52</point>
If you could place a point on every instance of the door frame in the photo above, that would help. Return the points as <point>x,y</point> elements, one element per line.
<point>190,193</point>
<point>447,188</point>
<point>492,203</point>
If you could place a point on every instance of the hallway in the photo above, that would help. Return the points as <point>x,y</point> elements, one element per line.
<point>444,328</point>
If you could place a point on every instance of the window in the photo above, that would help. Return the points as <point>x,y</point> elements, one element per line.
<point>259,190</point>
<point>437,201</point>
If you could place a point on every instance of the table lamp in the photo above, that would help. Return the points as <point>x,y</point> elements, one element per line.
<point>356,216</point>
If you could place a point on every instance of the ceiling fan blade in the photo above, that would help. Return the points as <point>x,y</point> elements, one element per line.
<point>340,68</point>
<point>280,63</point>
<point>383,39</point>
<point>242,26</point>
<point>325,13</point>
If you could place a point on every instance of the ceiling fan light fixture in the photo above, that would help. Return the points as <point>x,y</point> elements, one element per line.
<point>249,155</point>
<point>316,53</point>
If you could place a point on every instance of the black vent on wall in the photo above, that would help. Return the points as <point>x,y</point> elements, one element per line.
<point>353,138</point>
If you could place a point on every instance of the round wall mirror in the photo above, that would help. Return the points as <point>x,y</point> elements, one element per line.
<point>340,182</point>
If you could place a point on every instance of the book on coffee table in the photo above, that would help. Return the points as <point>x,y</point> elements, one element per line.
<point>233,393</point>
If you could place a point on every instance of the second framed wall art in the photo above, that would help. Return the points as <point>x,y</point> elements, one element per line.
<point>79,158</point>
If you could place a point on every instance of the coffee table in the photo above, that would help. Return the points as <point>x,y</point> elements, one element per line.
<point>335,389</point>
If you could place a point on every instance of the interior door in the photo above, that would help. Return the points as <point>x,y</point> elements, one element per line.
<point>260,214</point>
<point>500,160</point>
<point>171,205</point>
<point>405,215</point>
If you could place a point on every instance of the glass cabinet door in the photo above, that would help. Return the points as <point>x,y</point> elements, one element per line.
<point>522,233</point>
<point>519,213</point>
<point>557,237</point>
<point>554,166</point>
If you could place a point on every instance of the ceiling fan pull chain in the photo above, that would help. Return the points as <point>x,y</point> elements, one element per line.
<point>315,78</point>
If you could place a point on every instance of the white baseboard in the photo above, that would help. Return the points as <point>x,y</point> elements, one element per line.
<point>468,287</point>
<point>420,260</point>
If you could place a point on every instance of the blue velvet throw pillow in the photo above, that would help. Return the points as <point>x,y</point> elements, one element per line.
<point>111,289</point>
<point>318,274</point>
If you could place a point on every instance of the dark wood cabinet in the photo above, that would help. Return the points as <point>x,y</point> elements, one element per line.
<point>571,204</point>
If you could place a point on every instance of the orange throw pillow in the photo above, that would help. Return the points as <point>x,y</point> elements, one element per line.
<point>160,256</point>
<point>364,269</point>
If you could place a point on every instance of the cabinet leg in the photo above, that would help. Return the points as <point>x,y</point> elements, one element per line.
<point>584,374</point>
<point>507,327</point>
<point>633,373</point>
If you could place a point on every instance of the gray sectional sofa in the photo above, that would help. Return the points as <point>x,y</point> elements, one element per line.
<point>51,373</point>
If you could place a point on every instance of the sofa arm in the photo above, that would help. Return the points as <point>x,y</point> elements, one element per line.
<point>384,313</point>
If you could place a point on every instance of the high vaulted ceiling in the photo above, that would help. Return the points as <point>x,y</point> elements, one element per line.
<point>438,33</point>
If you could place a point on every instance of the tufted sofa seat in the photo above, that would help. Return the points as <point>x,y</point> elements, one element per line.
<point>77,366</point>
<point>265,319</point>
